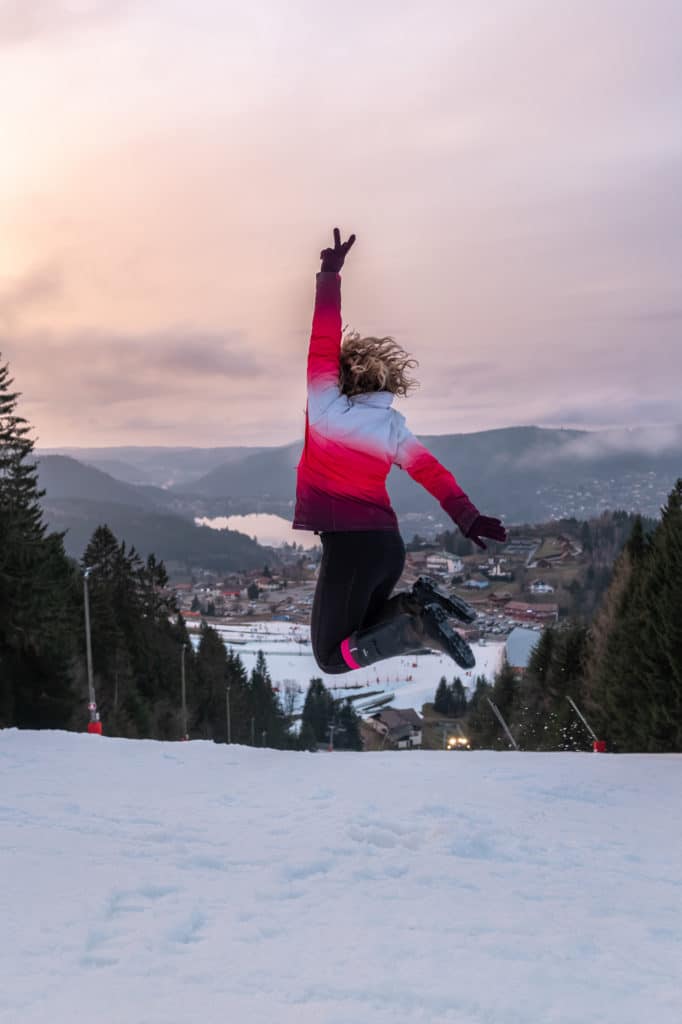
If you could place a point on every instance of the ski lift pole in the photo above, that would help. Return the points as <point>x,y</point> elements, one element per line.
<point>94,723</point>
<point>599,746</point>
<point>183,692</point>
<point>500,719</point>
<point>582,718</point>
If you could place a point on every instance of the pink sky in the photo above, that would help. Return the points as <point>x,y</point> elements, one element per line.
<point>169,172</point>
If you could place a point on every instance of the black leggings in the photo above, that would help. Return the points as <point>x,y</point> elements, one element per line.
<point>359,570</point>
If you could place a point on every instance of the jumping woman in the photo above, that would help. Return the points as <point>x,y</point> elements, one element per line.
<point>352,438</point>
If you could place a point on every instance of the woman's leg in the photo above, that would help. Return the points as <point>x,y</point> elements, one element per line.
<point>358,572</point>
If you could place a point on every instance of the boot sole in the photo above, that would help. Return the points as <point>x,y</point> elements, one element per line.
<point>439,630</point>
<point>452,604</point>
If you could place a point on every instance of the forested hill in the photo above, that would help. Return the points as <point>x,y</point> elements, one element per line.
<point>79,498</point>
<point>524,473</point>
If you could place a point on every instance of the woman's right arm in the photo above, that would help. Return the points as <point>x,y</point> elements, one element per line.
<point>325,337</point>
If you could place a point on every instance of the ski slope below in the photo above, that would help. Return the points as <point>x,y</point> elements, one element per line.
<point>191,883</point>
<point>411,681</point>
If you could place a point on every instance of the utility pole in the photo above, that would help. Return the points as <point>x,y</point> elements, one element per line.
<point>253,732</point>
<point>500,719</point>
<point>229,720</point>
<point>94,723</point>
<point>183,689</point>
<point>332,729</point>
<point>599,746</point>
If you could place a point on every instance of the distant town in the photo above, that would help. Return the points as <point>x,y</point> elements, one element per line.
<point>516,587</point>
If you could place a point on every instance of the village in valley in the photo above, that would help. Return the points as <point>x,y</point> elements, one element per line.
<point>524,586</point>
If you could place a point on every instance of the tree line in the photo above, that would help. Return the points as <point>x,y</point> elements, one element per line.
<point>624,669</point>
<point>140,644</point>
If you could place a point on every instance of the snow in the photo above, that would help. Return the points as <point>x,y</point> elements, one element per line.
<point>411,680</point>
<point>166,883</point>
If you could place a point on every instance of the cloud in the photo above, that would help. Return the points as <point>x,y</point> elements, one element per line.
<point>115,368</point>
<point>23,294</point>
<point>648,441</point>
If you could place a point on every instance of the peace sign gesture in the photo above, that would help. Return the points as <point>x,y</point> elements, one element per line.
<point>332,259</point>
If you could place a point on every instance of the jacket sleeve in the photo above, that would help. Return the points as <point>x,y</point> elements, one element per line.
<point>417,460</point>
<point>325,345</point>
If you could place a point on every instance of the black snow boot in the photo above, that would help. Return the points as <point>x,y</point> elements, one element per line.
<point>398,634</point>
<point>437,632</point>
<point>408,629</point>
<point>427,592</point>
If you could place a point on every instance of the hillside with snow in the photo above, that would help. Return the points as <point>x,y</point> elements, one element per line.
<point>194,883</point>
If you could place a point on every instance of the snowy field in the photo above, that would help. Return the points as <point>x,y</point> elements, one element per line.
<point>191,883</point>
<point>412,681</point>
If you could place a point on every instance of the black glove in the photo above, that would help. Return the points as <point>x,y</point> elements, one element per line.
<point>486,526</point>
<point>332,259</point>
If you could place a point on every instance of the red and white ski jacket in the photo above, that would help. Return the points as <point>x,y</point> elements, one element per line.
<point>351,443</point>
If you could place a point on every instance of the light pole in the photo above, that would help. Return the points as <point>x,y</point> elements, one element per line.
<point>229,722</point>
<point>183,685</point>
<point>94,723</point>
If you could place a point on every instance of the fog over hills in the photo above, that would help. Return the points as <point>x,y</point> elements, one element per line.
<point>163,467</point>
<point>526,474</point>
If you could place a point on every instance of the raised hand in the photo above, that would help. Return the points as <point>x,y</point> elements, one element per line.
<point>486,526</point>
<point>332,259</point>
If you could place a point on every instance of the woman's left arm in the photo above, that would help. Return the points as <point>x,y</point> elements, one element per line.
<point>425,469</point>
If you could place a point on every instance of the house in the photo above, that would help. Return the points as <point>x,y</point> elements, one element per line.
<point>444,565</point>
<point>532,612</point>
<point>519,647</point>
<point>401,726</point>
<point>496,571</point>
<point>540,587</point>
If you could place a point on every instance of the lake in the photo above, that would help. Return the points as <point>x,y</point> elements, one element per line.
<point>265,527</point>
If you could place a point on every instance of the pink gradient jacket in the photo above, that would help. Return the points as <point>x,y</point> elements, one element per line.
<point>351,443</point>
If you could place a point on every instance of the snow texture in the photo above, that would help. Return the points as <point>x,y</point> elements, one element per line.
<point>194,883</point>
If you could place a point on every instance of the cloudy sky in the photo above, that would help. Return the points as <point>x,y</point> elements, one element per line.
<point>170,170</point>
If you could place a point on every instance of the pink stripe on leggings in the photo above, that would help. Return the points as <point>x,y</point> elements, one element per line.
<point>346,655</point>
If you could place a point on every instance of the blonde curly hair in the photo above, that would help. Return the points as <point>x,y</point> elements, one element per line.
<point>374,364</point>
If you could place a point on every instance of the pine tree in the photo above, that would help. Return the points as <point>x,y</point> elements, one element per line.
<point>318,711</point>
<point>615,672</point>
<point>36,587</point>
<point>348,736</point>
<point>209,714</point>
<point>481,725</point>
<point>441,702</point>
<point>458,698</point>
<point>269,721</point>
<point>532,706</point>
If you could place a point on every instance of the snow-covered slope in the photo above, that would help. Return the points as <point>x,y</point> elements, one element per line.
<point>158,883</point>
<point>409,681</point>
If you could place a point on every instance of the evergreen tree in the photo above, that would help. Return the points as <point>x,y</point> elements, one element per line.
<point>458,698</point>
<point>441,702</point>
<point>318,711</point>
<point>532,705</point>
<point>36,587</point>
<point>240,698</point>
<point>481,725</point>
<point>615,670</point>
<point>269,721</point>
<point>348,736</point>
<point>634,683</point>
<point>209,712</point>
